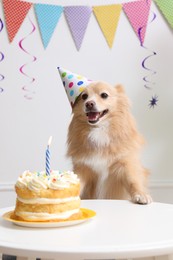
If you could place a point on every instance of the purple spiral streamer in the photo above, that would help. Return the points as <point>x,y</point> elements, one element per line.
<point>29,93</point>
<point>1,56</point>
<point>147,78</point>
<point>153,53</point>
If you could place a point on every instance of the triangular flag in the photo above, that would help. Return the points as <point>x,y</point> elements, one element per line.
<point>47,17</point>
<point>108,17</point>
<point>15,13</point>
<point>138,13</point>
<point>78,18</point>
<point>166,8</point>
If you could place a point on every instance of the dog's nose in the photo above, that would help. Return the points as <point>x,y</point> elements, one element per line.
<point>90,104</point>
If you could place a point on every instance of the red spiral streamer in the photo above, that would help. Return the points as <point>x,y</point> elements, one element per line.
<point>29,93</point>
<point>1,56</point>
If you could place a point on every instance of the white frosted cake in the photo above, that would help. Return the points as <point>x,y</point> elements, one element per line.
<point>41,197</point>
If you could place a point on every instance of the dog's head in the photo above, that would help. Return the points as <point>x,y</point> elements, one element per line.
<point>97,102</point>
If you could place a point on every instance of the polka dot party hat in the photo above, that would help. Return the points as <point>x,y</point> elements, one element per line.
<point>73,83</point>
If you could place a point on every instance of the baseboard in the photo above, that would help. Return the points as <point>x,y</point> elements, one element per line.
<point>7,186</point>
<point>161,191</point>
<point>154,184</point>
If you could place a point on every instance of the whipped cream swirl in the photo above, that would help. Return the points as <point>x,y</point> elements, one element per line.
<point>36,181</point>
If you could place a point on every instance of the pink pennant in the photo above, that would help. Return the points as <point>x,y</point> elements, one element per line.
<point>138,13</point>
<point>78,18</point>
<point>15,12</point>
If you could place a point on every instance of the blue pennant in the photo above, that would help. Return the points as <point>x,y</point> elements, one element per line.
<point>47,17</point>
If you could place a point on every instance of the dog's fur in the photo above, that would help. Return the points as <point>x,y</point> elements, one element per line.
<point>104,147</point>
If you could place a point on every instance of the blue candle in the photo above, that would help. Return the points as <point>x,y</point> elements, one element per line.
<point>48,156</point>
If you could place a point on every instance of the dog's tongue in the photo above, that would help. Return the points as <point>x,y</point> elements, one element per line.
<point>92,116</point>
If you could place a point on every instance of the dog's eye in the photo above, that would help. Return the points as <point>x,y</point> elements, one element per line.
<point>104,95</point>
<point>84,96</point>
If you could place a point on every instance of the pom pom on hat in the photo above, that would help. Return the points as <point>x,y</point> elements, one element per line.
<point>74,84</point>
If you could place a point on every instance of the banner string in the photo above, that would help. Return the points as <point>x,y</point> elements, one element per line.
<point>29,94</point>
<point>1,56</point>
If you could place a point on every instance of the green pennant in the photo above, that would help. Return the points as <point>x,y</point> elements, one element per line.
<point>166,7</point>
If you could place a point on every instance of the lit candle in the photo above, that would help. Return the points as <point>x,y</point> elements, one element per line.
<point>48,156</point>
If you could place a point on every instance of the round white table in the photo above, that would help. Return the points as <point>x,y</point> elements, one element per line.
<point>120,229</point>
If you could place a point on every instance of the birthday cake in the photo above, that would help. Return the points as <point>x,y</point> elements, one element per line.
<point>42,197</point>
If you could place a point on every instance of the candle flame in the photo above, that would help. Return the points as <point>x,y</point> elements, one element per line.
<point>49,141</point>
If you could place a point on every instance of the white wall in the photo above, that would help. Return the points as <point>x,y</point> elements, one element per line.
<point>27,124</point>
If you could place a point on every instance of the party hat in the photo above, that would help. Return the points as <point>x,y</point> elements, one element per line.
<point>73,83</point>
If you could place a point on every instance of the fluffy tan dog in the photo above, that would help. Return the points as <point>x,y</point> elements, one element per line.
<point>104,145</point>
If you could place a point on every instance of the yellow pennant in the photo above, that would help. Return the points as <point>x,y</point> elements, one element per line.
<point>107,17</point>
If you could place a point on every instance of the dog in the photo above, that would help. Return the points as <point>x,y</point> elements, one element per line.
<point>104,145</point>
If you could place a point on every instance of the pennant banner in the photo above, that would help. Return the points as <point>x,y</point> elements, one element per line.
<point>166,8</point>
<point>15,13</point>
<point>47,17</point>
<point>77,18</point>
<point>108,17</point>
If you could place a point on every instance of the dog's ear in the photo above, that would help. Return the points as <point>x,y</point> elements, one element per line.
<point>120,88</point>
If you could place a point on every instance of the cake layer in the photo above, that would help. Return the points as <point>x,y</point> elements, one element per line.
<point>25,193</point>
<point>49,208</point>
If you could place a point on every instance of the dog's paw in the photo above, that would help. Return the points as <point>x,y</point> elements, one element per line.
<point>141,198</point>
